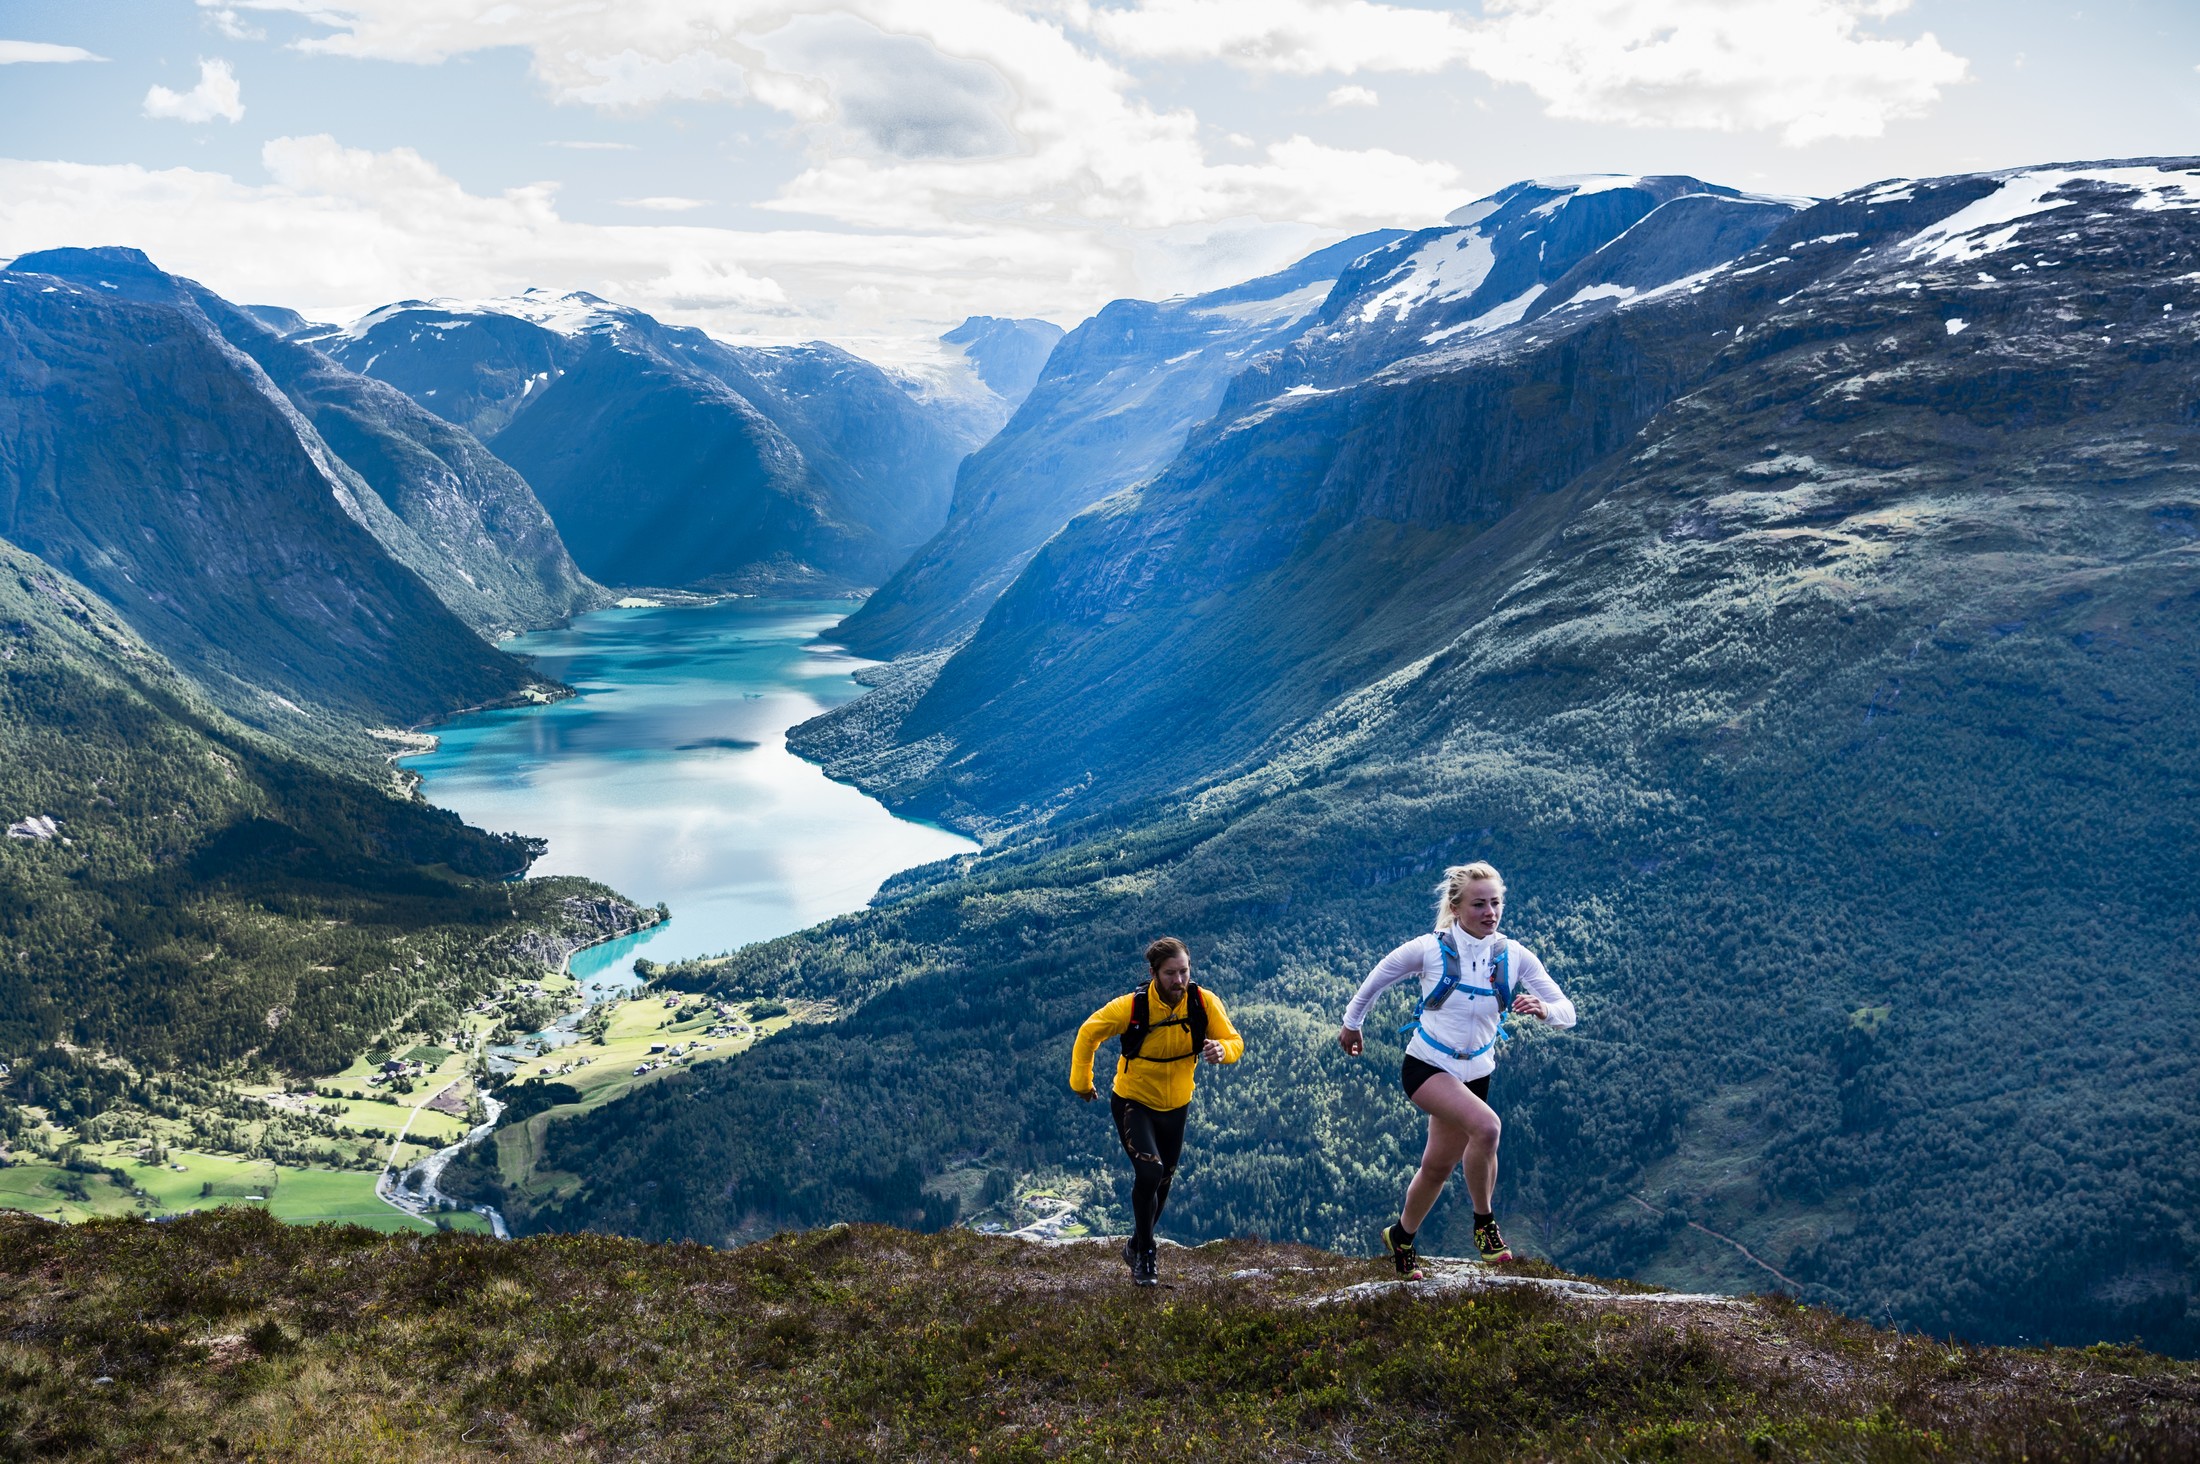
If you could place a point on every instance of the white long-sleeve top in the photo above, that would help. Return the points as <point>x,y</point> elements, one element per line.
<point>1465,1021</point>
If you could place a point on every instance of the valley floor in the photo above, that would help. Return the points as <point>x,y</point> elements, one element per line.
<point>357,1124</point>
<point>629,1043</point>
<point>229,1335</point>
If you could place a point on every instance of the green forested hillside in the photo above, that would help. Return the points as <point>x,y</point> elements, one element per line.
<point>203,900</point>
<point>1832,728</point>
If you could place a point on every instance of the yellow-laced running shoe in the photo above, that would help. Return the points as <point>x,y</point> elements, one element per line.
<point>1491,1243</point>
<point>1402,1253</point>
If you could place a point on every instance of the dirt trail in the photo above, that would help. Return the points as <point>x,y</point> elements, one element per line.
<point>1747,1254</point>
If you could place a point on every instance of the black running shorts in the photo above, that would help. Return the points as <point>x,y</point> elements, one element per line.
<point>1416,1072</point>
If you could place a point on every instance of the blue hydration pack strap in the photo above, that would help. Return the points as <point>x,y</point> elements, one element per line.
<point>1499,989</point>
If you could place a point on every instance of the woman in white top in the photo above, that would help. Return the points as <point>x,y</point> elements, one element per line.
<point>1468,972</point>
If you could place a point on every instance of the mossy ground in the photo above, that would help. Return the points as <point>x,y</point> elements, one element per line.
<point>229,1335</point>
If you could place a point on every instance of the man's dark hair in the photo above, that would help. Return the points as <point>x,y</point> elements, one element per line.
<point>1161,950</point>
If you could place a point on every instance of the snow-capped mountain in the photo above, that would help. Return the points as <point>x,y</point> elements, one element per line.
<point>1515,256</point>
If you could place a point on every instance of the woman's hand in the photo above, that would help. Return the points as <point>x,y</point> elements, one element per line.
<point>1349,1039</point>
<point>1528,1004</point>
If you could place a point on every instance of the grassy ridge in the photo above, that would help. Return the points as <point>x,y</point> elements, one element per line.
<point>231,1336</point>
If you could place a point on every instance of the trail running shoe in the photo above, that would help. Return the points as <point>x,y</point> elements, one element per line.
<point>1130,1257</point>
<point>1402,1253</point>
<point>1146,1270</point>
<point>1491,1243</point>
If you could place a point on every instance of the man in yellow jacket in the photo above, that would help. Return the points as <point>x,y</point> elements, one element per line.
<point>1166,1026</point>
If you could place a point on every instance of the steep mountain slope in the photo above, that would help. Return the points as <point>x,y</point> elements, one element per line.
<point>1127,387</point>
<point>441,503</point>
<point>1114,403</point>
<point>178,893</point>
<point>1295,450</point>
<point>143,454</point>
<point>1814,644</point>
<point>280,319</point>
<point>1008,354</point>
<point>229,1333</point>
<point>666,457</point>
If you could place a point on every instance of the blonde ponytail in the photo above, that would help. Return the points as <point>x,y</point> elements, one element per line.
<point>1454,884</point>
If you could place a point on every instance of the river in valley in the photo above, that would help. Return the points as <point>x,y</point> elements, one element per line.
<point>668,777</point>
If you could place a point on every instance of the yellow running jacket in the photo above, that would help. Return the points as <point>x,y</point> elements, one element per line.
<point>1161,1085</point>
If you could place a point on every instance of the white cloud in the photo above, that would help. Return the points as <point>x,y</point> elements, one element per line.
<point>341,230</point>
<point>665,203</point>
<point>895,95</point>
<point>1299,37</point>
<point>1805,69</point>
<point>1351,96</point>
<point>957,115</point>
<point>216,95</point>
<point>15,52</point>
<point>231,25</point>
<point>1802,68</point>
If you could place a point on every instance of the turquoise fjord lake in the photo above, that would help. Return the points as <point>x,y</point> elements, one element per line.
<point>668,777</point>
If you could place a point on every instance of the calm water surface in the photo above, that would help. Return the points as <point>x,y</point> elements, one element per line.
<point>668,777</point>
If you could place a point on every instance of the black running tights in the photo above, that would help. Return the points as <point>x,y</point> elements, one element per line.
<point>1154,1140</point>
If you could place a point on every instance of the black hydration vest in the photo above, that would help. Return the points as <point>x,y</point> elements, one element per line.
<point>1142,1024</point>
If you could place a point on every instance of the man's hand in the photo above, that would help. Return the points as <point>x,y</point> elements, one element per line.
<point>1529,1005</point>
<point>1212,1051</point>
<point>1089,1094</point>
<point>1349,1039</point>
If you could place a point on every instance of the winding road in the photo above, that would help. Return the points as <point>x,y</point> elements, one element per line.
<point>430,1199</point>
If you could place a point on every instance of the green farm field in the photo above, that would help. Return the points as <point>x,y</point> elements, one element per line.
<point>508,1172</point>
<point>297,1196</point>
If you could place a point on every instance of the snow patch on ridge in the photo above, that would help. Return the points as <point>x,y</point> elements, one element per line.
<point>1495,318</point>
<point>1991,223</point>
<point>1279,308</point>
<point>568,314</point>
<point>1449,267</point>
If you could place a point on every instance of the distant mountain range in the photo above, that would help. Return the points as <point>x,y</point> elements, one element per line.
<point>675,460</point>
<point>1113,403</point>
<point>327,550</point>
<point>230,568</point>
<point>1798,602</point>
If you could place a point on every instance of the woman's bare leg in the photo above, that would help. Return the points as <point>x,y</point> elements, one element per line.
<point>1462,1130</point>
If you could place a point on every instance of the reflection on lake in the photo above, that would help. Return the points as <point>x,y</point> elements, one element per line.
<point>668,778</point>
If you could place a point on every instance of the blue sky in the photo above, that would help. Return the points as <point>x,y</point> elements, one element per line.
<point>872,170</point>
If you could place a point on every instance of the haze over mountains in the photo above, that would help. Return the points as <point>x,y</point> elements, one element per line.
<point>1111,405</point>
<point>1797,600</point>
